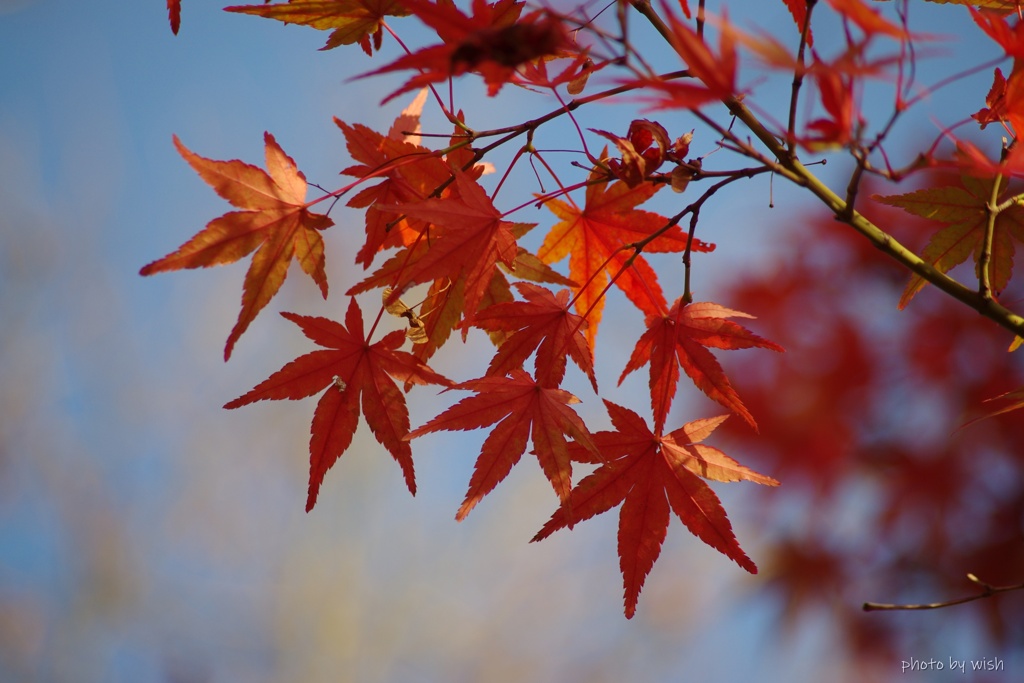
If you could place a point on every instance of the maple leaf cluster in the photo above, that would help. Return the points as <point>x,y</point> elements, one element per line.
<point>429,223</point>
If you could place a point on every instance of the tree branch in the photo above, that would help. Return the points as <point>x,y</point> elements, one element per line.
<point>844,213</point>
<point>987,591</point>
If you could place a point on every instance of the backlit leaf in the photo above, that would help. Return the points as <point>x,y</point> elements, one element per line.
<point>596,239</point>
<point>350,21</point>
<point>521,408</point>
<point>679,339</point>
<point>963,210</point>
<point>648,475</point>
<point>349,368</point>
<point>275,223</point>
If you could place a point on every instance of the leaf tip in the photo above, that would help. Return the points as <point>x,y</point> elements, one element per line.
<point>467,507</point>
<point>315,480</point>
<point>174,15</point>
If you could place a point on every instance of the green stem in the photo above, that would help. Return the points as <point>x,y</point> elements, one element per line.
<point>985,257</point>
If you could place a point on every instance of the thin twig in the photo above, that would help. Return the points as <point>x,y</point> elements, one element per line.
<point>798,73</point>
<point>987,591</point>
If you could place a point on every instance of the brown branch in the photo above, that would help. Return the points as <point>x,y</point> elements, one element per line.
<point>844,212</point>
<point>987,591</point>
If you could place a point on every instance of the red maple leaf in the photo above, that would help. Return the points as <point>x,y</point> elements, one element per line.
<point>543,324</point>
<point>275,223</point>
<point>838,83</point>
<point>837,97</point>
<point>596,238</point>
<point>1005,100</point>
<point>174,14</point>
<point>350,21</point>
<point>712,77</point>
<point>678,339</point>
<point>971,161</point>
<point>522,408</point>
<point>445,303</point>
<point>493,42</point>
<point>650,474</point>
<point>798,8</point>
<point>993,23</point>
<point>412,173</point>
<point>349,368</point>
<point>996,101</point>
<point>869,20</point>
<point>469,241</point>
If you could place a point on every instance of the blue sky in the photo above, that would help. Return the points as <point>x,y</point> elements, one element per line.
<point>148,535</point>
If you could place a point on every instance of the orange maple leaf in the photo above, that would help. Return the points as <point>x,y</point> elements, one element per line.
<point>594,239</point>
<point>275,223</point>
<point>522,408</point>
<point>413,173</point>
<point>963,209</point>
<point>409,173</point>
<point>352,21</point>
<point>349,368</point>
<point>650,474</point>
<point>678,339</point>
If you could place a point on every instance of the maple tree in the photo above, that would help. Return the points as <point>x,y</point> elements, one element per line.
<point>430,222</point>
